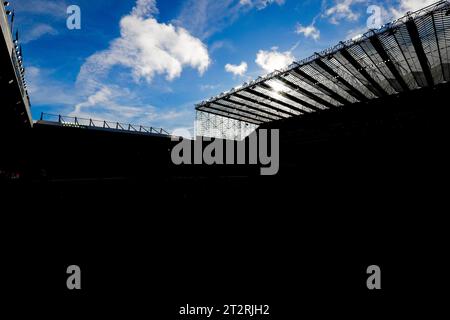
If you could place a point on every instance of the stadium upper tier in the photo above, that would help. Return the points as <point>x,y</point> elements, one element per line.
<point>406,54</point>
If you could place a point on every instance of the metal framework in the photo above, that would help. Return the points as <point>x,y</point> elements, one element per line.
<point>406,54</point>
<point>220,125</point>
<point>77,122</point>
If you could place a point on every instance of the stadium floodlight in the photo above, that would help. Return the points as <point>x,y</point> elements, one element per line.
<point>5,3</point>
<point>8,12</point>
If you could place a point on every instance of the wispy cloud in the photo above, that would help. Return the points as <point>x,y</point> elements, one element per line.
<point>109,103</point>
<point>30,16</point>
<point>209,87</point>
<point>54,8</point>
<point>260,4</point>
<point>309,31</point>
<point>203,18</point>
<point>114,103</point>
<point>342,10</point>
<point>46,91</point>
<point>38,31</point>
<point>221,44</point>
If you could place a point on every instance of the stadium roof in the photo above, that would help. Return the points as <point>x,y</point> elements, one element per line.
<point>407,54</point>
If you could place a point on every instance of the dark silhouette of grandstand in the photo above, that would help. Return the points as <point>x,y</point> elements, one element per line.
<point>363,159</point>
<point>365,119</point>
<point>374,95</point>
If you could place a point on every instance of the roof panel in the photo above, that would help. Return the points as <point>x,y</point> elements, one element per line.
<point>442,29</point>
<point>313,90</point>
<point>342,68</point>
<point>258,93</point>
<point>321,77</point>
<point>227,105</point>
<point>364,54</point>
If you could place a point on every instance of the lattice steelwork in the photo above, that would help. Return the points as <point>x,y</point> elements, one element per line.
<point>407,54</point>
<point>223,127</point>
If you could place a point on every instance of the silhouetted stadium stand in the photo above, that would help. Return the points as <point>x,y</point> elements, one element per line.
<point>375,139</point>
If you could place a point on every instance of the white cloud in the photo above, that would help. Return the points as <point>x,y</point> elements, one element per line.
<point>145,8</point>
<point>145,49</point>
<point>409,5</point>
<point>273,60</point>
<point>308,31</point>
<point>104,95</point>
<point>342,9</point>
<point>148,48</point>
<point>237,70</point>
<point>38,31</point>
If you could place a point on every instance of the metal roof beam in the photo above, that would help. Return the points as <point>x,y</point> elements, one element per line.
<point>233,113</point>
<point>438,47</point>
<point>291,97</point>
<point>228,99</point>
<point>351,89</point>
<point>264,96</point>
<point>263,104</point>
<point>378,46</point>
<point>240,110</point>
<point>377,67</point>
<point>414,75</point>
<point>303,76</point>
<point>379,90</point>
<point>306,93</point>
<point>418,47</point>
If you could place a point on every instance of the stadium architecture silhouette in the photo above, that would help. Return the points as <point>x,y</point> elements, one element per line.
<point>363,165</point>
<point>365,110</point>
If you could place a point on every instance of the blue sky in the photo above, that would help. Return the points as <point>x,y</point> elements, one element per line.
<point>149,61</point>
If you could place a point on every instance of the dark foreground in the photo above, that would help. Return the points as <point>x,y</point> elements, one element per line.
<point>363,186</point>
